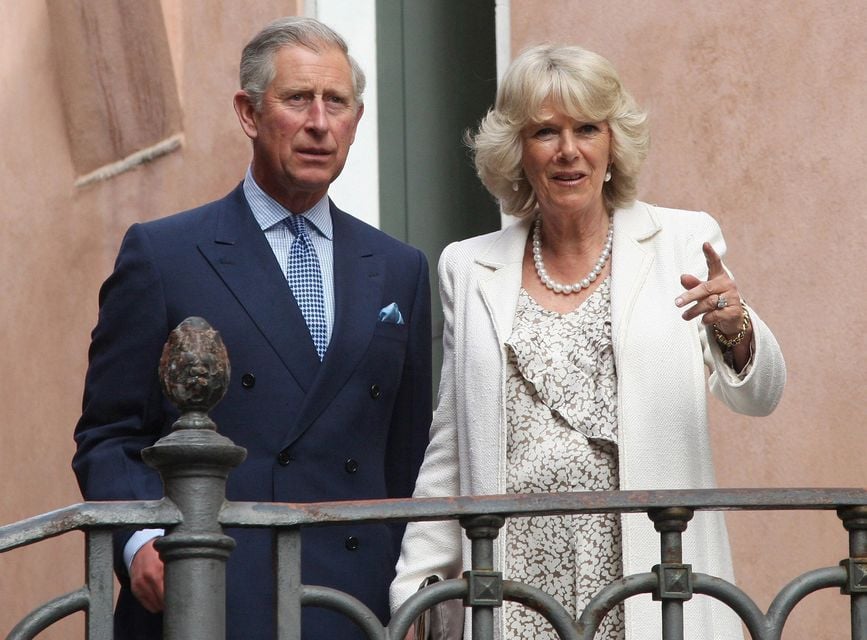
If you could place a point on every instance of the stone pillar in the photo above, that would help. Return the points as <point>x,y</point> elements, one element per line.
<point>674,585</point>
<point>855,521</point>
<point>194,461</point>
<point>485,584</point>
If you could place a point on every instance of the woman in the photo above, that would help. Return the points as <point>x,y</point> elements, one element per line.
<point>576,343</point>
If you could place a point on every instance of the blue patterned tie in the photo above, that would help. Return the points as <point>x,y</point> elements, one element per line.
<point>305,280</point>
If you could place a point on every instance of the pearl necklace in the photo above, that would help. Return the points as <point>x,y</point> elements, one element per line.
<point>556,287</point>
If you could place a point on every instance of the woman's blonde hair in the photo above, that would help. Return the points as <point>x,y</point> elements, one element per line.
<point>586,87</point>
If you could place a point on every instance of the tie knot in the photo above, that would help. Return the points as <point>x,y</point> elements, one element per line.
<point>296,225</point>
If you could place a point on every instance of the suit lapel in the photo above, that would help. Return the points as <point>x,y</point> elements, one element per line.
<point>359,274</point>
<point>243,259</point>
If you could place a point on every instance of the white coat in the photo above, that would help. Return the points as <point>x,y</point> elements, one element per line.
<point>661,363</point>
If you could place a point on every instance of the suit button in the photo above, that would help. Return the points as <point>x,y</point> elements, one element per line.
<point>351,543</point>
<point>351,465</point>
<point>248,380</point>
<point>375,391</point>
<point>284,458</point>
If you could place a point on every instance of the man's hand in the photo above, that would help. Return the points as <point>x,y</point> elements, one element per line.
<point>146,577</point>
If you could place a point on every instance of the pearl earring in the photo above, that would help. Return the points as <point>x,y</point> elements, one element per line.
<point>607,176</point>
<point>515,186</point>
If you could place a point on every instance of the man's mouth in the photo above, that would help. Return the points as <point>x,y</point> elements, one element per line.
<point>314,152</point>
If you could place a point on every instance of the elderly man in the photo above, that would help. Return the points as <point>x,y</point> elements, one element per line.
<point>327,324</point>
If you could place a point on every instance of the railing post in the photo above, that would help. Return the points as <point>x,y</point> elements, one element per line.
<point>855,521</point>
<point>194,462</point>
<point>674,578</point>
<point>485,584</point>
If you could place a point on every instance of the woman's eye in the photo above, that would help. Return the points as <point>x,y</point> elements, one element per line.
<point>588,129</point>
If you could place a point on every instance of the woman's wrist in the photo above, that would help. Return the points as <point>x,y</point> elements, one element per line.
<point>745,331</point>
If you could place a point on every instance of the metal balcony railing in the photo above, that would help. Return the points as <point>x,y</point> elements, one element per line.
<point>195,461</point>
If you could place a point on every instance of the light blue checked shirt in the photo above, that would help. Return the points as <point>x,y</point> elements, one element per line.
<point>270,215</point>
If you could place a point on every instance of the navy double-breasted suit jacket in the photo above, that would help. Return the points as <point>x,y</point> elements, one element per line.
<point>352,427</point>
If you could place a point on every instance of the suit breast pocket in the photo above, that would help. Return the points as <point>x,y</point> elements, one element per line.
<point>387,352</point>
<point>391,331</point>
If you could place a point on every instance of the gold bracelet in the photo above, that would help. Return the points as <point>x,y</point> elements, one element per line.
<point>736,339</point>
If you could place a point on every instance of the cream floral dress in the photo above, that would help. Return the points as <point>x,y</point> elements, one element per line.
<point>561,400</point>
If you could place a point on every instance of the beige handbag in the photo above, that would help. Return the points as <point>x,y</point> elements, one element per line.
<point>443,621</point>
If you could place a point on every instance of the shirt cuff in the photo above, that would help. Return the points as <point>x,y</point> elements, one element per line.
<point>136,542</point>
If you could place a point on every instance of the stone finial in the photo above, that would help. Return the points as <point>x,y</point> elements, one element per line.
<point>194,366</point>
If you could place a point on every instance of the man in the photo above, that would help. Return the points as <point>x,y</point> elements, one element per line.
<point>327,325</point>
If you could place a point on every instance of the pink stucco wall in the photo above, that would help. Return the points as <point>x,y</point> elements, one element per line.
<point>757,114</point>
<point>58,242</point>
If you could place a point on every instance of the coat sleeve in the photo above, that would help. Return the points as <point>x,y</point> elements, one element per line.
<point>759,391</point>
<point>435,547</point>
<point>122,409</point>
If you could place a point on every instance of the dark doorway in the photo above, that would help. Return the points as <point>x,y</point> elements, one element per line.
<point>436,62</point>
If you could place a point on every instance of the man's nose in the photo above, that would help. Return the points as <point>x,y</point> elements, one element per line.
<point>316,117</point>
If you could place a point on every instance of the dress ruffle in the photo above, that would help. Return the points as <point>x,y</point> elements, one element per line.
<point>569,360</point>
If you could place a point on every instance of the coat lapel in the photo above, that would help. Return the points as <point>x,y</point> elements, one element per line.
<point>500,289</point>
<point>630,264</point>
<point>243,259</point>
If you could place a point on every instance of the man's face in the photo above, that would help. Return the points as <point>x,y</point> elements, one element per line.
<point>302,132</point>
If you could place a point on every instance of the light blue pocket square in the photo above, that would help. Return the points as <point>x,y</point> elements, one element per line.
<point>391,314</point>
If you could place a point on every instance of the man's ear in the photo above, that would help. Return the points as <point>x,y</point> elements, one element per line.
<point>357,120</point>
<point>246,114</point>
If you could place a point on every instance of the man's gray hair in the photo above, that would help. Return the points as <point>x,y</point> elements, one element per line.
<point>257,59</point>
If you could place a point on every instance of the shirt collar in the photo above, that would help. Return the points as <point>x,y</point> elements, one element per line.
<point>269,213</point>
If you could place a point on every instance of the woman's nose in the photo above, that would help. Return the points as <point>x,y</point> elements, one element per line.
<point>568,149</point>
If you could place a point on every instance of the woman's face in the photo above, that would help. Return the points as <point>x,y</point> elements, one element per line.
<point>565,161</point>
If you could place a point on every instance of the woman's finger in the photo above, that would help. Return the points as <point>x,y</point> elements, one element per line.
<point>714,262</point>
